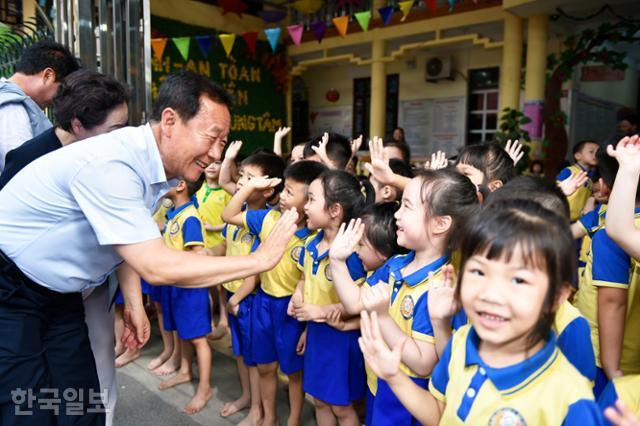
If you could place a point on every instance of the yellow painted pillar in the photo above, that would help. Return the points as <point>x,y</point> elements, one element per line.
<point>29,14</point>
<point>537,34</point>
<point>378,89</point>
<point>510,70</point>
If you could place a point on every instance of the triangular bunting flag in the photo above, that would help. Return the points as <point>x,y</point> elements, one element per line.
<point>273,35</point>
<point>405,8</point>
<point>341,23</point>
<point>227,41</point>
<point>205,44</point>
<point>318,30</point>
<point>295,32</point>
<point>451,3</point>
<point>182,43</point>
<point>432,5</point>
<point>363,19</point>
<point>158,45</point>
<point>386,13</point>
<point>250,38</point>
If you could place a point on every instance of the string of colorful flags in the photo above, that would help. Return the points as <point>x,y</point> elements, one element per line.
<point>295,32</point>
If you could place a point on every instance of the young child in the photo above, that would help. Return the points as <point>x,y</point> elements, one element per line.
<point>434,205</point>
<point>331,149</point>
<point>387,193</point>
<point>487,165</point>
<point>626,389</point>
<point>275,335</point>
<point>240,241</point>
<point>333,367</point>
<point>187,311</point>
<point>505,367</point>
<point>584,154</point>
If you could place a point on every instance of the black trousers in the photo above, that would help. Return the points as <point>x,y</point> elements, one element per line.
<point>47,370</point>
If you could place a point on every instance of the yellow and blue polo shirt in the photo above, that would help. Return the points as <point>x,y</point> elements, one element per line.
<point>610,266</point>
<point>318,281</point>
<point>590,223</point>
<point>282,280</point>
<point>212,202</point>
<point>545,389</point>
<point>160,215</point>
<point>578,199</point>
<point>183,227</point>
<point>626,388</point>
<point>574,339</point>
<point>240,242</point>
<point>409,296</point>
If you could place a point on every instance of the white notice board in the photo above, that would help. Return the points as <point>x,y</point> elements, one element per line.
<point>337,119</point>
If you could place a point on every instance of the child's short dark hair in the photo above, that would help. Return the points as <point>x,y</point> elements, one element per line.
<point>491,159</point>
<point>47,54</point>
<point>193,187</point>
<point>304,171</point>
<point>345,189</point>
<point>544,240</point>
<point>580,145</point>
<point>446,192</point>
<point>380,228</point>
<point>338,149</point>
<point>542,191</point>
<point>401,168</point>
<point>270,164</point>
<point>402,146</point>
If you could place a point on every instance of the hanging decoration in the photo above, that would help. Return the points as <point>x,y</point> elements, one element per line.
<point>234,6</point>
<point>386,13</point>
<point>342,24</point>
<point>227,41</point>
<point>451,3</point>
<point>250,39</point>
<point>205,44</point>
<point>273,35</point>
<point>405,8</point>
<point>295,32</point>
<point>272,16</point>
<point>432,5</point>
<point>182,43</point>
<point>158,45</point>
<point>363,18</point>
<point>307,6</point>
<point>318,28</point>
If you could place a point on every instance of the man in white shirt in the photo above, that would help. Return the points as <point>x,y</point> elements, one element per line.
<point>26,93</point>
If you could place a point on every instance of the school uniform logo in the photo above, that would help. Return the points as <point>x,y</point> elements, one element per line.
<point>175,229</point>
<point>327,273</point>
<point>246,238</point>
<point>296,252</point>
<point>406,308</point>
<point>507,417</point>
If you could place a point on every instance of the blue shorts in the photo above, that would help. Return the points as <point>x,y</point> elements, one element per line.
<point>274,334</point>
<point>387,408</point>
<point>187,311</point>
<point>240,326</point>
<point>333,365</point>
<point>147,289</point>
<point>368,407</point>
<point>600,382</point>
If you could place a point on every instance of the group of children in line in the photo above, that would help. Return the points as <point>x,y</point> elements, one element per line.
<point>445,295</point>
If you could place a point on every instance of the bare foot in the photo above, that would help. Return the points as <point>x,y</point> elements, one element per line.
<point>158,361</point>
<point>218,332</point>
<point>167,368</point>
<point>128,356</point>
<point>119,349</point>
<point>175,380</point>
<point>198,402</point>
<point>254,418</point>
<point>233,407</point>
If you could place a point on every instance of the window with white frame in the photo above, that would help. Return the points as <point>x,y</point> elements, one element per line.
<point>482,123</point>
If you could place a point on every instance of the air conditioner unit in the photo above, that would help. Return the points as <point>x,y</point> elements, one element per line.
<point>439,69</point>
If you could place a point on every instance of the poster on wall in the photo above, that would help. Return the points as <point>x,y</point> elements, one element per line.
<point>336,119</point>
<point>434,124</point>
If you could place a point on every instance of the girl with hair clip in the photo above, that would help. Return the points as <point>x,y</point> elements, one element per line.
<point>333,370</point>
<point>434,205</point>
<point>505,366</point>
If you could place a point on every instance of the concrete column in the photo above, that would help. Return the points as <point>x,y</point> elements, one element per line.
<point>510,71</point>
<point>378,89</point>
<point>28,13</point>
<point>534,87</point>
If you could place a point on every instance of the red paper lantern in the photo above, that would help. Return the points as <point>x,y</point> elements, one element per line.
<point>332,95</point>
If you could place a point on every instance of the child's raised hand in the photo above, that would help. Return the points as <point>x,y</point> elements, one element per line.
<point>321,149</point>
<point>263,182</point>
<point>355,146</point>
<point>438,161</point>
<point>379,166</point>
<point>376,298</point>
<point>233,150</point>
<point>281,133</point>
<point>346,240</point>
<point>514,150</point>
<point>441,301</point>
<point>627,152</point>
<point>385,363</point>
<point>573,183</point>
<point>621,415</point>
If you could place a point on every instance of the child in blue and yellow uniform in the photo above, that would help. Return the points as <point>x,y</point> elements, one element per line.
<point>626,389</point>
<point>240,293</point>
<point>333,366</point>
<point>505,367</point>
<point>427,220</point>
<point>584,154</point>
<point>487,166</point>
<point>275,335</point>
<point>187,311</point>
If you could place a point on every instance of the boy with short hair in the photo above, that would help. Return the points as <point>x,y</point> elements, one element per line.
<point>584,154</point>
<point>389,193</point>
<point>187,310</point>
<point>331,149</point>
<point>276,335</point>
